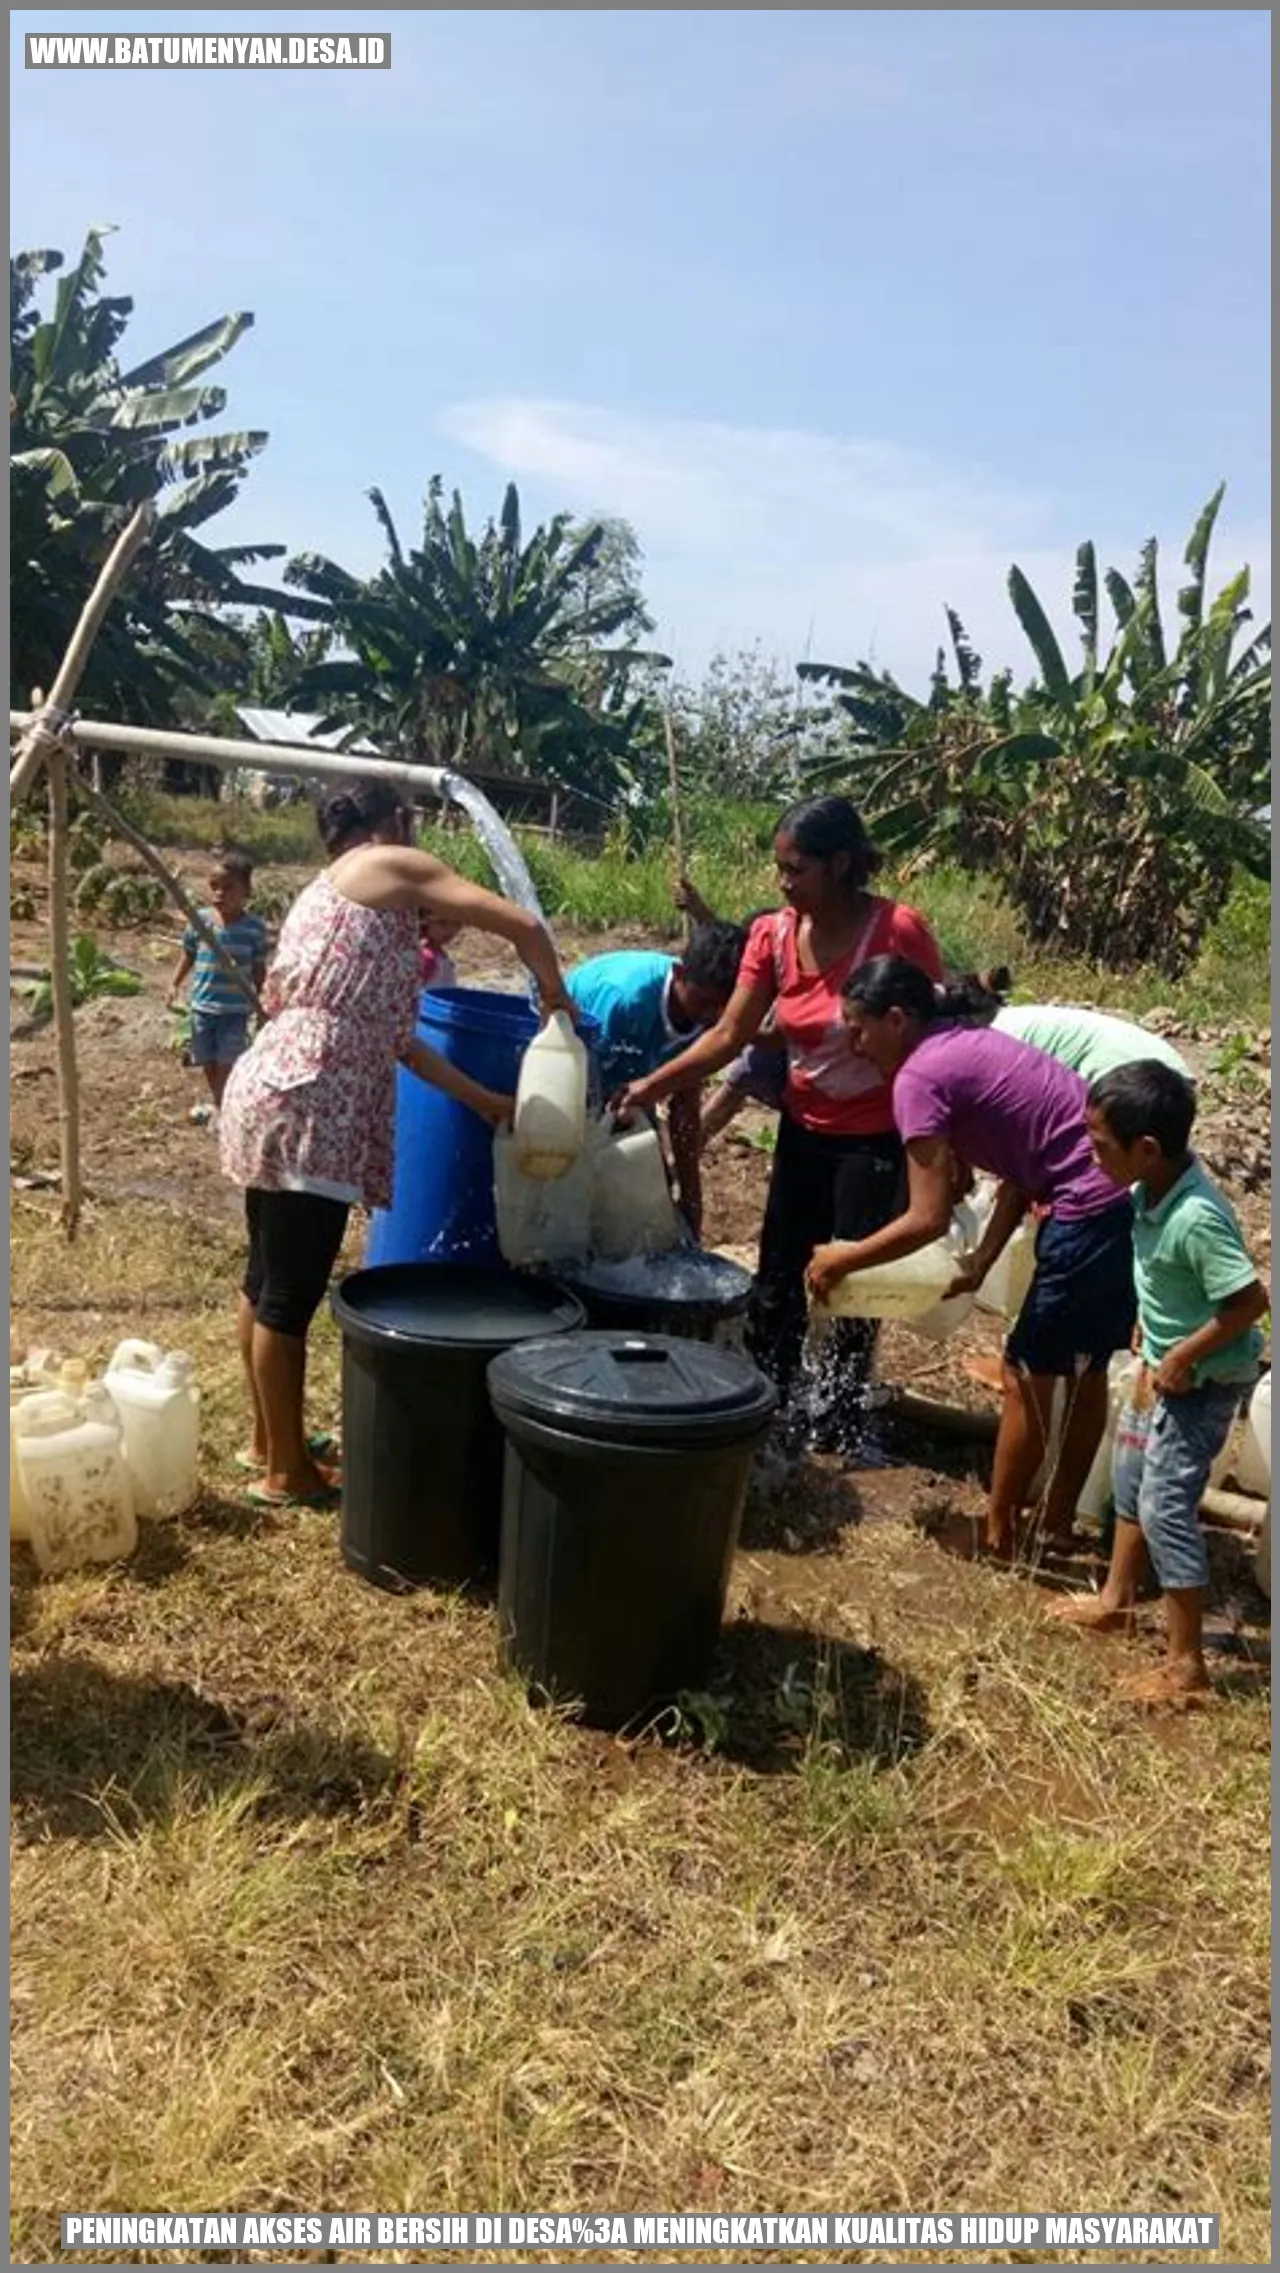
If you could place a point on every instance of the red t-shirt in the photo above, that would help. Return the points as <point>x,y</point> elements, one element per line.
<point>828,1088</point>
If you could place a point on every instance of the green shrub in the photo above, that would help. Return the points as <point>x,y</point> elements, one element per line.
<point>728,853</point>
<point>286,836</point>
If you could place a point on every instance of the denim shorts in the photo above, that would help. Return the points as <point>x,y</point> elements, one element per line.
<point>1082,1306</point>
<point>760,1073</point>
<point>218,1037</point>
<point>1159,1468</point>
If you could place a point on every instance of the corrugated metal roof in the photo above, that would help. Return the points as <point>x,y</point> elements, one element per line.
<point>296,727</point>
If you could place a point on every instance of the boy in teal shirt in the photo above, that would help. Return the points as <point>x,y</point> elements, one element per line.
<point>1199,1300</point>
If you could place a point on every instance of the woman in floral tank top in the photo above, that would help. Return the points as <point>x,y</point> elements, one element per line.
<point>308,1118</point>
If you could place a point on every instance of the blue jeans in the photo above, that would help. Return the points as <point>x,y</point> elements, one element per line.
<point>1159,1469</point>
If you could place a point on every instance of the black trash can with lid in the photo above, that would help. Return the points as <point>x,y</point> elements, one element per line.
<point>421,1451</point>
<point>627,1466</point>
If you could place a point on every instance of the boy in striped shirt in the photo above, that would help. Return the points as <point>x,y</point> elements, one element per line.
<point>220,1009</point>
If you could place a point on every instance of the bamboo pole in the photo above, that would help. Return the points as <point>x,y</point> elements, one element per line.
<point>60,986</point>
<point>44,729</point>
<point>120,827</point>
<point>677,819</point>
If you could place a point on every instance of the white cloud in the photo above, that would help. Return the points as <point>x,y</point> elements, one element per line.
<point>810,543</point>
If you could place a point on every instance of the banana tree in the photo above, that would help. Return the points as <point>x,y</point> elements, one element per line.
<point>481,651</point>
<point>1113,801</point>
<point>89,439</point>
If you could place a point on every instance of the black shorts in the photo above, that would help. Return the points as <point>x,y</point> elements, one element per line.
<point>1082,1305</point>
<point>294,1239</point>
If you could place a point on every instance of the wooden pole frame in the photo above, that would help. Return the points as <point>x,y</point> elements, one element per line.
<point>45,725</point>
<point>60,988</point>
<point>48,733</point>
<point>45,740</point>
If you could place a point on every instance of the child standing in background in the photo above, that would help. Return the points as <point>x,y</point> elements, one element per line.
<point>1199,1302</point>
<point>220,1009</point>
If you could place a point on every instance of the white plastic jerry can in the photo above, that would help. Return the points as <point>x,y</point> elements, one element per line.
<point>19,1512</point>
<point>1095,1492</point>
<point>1008,1282</point>
<point>907,1289</point>
<point>946,1317</point>
<point>158,1403</point>
<point>43,1370</point>
<point>551,1101</point>
<point>1253,1470</point>
<point>71,1461</point>
<point>632,1211</point>
<point>540,1222</point>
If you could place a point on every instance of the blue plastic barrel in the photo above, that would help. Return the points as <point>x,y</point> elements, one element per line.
<point>442,1210</point>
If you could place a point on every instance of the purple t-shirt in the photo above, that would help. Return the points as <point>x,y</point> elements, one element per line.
<point>1008,1109</point>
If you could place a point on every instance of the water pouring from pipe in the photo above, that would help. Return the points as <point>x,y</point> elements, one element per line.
<point>509,864</point>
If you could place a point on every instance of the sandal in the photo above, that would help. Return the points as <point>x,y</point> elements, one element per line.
<point>319,1446</point>
<point>327,1496</point>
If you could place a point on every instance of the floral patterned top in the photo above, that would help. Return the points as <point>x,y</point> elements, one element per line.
<point>311,1106</point>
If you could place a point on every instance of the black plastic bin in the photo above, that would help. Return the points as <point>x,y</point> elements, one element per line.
<point>421,1450</point>
<point>627,1465</point>
<point>700,1297</point>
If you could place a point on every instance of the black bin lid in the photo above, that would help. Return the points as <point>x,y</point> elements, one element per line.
<point>642,1389</point>
<point>451,1306</point>
<point>687,1279</point>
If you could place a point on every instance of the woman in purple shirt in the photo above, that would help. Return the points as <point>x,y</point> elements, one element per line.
<point>966,1094</point>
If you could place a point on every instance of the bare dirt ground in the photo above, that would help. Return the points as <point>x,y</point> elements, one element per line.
<point>309,1904</point>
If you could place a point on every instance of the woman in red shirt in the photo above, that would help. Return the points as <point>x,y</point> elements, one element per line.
<point>838,1166</point>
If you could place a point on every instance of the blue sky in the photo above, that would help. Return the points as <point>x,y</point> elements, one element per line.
<point>845,312</point>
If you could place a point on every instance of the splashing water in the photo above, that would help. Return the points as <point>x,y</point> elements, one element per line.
<point>509,864</point>
<point>834,1399</point>
<point>684,1274</point>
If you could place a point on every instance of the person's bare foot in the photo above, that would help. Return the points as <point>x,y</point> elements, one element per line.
<point>1092,1613</point>
<point>1180,1682</point>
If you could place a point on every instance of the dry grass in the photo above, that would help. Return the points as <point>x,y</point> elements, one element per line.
<point>311,1909</point>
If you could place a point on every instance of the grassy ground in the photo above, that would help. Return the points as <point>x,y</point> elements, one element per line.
<point>311,1908</point>
<point>613,886</point>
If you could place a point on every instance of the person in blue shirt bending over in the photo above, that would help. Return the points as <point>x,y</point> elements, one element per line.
<point>649,1007</point>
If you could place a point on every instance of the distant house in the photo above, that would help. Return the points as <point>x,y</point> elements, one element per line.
<point>289,728</point>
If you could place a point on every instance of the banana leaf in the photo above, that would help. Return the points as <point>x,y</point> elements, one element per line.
<point>175,366</point>
<point>1191,597</point>
<point>1044,645</point>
